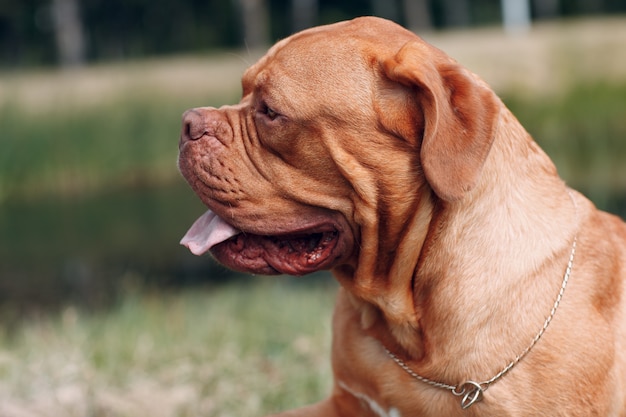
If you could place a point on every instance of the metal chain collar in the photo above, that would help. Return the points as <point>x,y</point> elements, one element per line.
<point>472,391</point>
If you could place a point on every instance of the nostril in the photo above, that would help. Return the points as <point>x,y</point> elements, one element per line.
<point>193,126</point>
<point>187,130</point>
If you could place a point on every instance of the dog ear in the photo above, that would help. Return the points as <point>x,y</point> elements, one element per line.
<point>459,111</point>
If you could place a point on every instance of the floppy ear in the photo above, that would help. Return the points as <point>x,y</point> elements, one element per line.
<point>459,112</point>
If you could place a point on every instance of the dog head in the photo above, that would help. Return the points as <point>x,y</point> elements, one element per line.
<point>345,138</point>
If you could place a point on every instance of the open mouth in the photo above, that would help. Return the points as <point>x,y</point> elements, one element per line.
<point>314,248</point>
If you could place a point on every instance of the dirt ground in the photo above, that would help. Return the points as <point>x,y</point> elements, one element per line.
<point>545,59</point>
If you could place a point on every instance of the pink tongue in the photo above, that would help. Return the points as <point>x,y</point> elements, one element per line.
<point>206,232</point>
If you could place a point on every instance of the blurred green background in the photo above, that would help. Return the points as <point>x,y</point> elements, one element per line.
<point>102,313</point>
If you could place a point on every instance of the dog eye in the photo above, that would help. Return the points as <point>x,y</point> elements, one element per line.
<point>268,112</point>
<point>271,113</point>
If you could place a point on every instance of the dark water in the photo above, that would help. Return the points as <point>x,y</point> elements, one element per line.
<point>86,250</point>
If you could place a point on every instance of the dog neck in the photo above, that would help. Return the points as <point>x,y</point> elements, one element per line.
<point>385,297</point>
<point>488,266</point>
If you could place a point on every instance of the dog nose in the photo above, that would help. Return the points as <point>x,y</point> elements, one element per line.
<point>199,122</point>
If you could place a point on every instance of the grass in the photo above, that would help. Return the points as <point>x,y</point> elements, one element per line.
<point>236,350</point>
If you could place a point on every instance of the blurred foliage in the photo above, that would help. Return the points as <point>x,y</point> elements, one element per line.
<point>92,196</point>
<point>84,150</point>
<point>117,28</point>
<point>120,29</point>
<point>89,196</point>
<point>584,132</point>
<point>132,142</point>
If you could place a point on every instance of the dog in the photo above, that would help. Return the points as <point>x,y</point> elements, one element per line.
<point>473,281</point>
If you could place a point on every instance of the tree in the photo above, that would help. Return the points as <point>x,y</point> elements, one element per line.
<point>456,13</point>
<point>417,14</point>
<point>546,8</point>
<point>255,22</point>
<point>385,8</point>
<point>68,32</point>
<point>303,14</point>
<point>516,15</point>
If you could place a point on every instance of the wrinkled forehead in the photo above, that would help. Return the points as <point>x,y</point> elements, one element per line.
<point>337,66</point>
<point>311,61</point>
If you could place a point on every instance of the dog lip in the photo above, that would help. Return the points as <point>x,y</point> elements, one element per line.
<point>298,252</point>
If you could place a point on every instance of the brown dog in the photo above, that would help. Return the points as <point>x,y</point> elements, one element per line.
<point>473,281</point>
